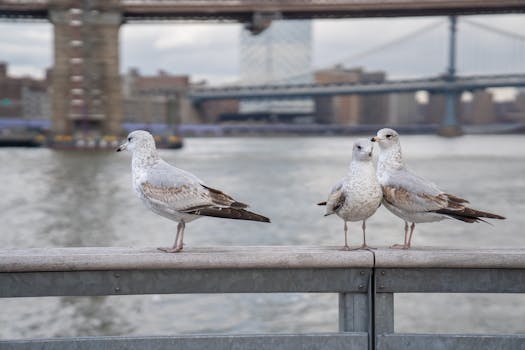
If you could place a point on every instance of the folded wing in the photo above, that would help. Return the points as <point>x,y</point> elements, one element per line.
<point>174,189</point>
<point>414,194</point>
<point>335,200</point>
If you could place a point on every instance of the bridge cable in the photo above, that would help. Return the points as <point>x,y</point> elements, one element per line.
<point>496,30</point>
<point>373,50</point>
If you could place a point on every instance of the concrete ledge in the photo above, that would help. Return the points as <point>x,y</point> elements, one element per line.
<point>428,257</point>
<point>239,257</point>
<point>103,258</point>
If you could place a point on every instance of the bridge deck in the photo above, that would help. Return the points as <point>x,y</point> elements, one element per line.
<point>143,10</point>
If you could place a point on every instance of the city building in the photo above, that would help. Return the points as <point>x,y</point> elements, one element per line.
<point>435,109</point>
<point>24,97</point>
<point>520,104</point>
<point>156,99</point>
<point>281,54</point>
<point>403,109</point>
<point>477,107</point>
<point>480,109</point>
<point>351,109</point>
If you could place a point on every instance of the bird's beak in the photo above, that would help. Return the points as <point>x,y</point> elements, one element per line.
<point>122,147</point>
<point>375,139</point>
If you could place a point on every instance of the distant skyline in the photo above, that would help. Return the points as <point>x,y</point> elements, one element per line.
<point>211,51</point>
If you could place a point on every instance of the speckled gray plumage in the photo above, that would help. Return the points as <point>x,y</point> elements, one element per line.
<point>358,195</point>
<point>175,193</point>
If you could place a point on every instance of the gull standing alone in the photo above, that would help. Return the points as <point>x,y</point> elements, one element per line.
<point>174,193</point>
<point>413,198</point>
<point>358,195</point>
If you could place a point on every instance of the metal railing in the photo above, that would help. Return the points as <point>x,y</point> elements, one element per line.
<point>366,282</point>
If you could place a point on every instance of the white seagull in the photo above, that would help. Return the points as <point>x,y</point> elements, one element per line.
<point>413,198</point>
<point>174,193</point>
<point>358,195</point>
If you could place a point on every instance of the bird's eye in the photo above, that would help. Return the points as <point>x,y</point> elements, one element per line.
<point>359,147</point>
<point>388,136</point>
<point>129,139</point>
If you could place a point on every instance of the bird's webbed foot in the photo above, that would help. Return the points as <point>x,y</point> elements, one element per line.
<point>170,249</point>
<point>400,246</point>
<point>366,247</point>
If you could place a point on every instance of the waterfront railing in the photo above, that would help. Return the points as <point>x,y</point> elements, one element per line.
<point>366,282</point>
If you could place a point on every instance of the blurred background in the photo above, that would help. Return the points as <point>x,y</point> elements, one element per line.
<point>264,105</point>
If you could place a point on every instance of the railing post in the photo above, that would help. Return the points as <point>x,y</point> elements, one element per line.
<point>383,307</point>
<point>384,313</point>
<point>353,312</point>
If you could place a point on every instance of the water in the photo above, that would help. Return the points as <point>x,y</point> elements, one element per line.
<point>55,199</point>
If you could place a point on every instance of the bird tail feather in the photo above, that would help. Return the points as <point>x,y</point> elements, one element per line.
<point>229,213</point>
<point>469,215</point>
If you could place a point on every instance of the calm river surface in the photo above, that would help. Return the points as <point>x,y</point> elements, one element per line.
<point>71,199</point>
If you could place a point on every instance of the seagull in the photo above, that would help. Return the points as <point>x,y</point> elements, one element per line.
<point>358,195</point>
<point>413,198</point>
<point>174,193</point>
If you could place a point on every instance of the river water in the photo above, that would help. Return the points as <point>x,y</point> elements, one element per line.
<point>71,199</point>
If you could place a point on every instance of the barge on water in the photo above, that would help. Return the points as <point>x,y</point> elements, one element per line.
<point>72,142</point>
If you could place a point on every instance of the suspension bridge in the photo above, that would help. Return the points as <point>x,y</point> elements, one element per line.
<point>279,91</point>
<point>86,82</point>
<point>451,79</point>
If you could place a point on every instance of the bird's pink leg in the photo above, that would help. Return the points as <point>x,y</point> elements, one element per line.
<point>180,245</point>
<point>364,245</point>
<point>346,247</point>
<point>405,244</point>
<point>412,227</point>
<point>177,245</point>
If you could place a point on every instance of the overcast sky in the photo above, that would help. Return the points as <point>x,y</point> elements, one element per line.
<point>210,51</point>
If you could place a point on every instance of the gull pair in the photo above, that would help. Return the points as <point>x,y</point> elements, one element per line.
<point>407,195</point>
<point>413,198</point>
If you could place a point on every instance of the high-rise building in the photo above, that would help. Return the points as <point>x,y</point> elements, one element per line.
<point>144,101</point>
<point>282,54</point>
<point>403,109</point>
<point>481,109</point>
<point>520,103</point>
<point>350,109</point>
<point>24,97</point>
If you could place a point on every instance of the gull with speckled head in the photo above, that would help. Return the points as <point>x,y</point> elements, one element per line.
<point>413,198</point>
<point>174,193</point>
<point>358,195</point>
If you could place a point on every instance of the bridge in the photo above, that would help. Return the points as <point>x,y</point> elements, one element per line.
<point>86,87</point>
<point>431,85</point>
<point>247,10</point>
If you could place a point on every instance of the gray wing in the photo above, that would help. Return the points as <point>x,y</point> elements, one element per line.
<point>179,190</point>
<point>336,199</point>
<point>410,192</point>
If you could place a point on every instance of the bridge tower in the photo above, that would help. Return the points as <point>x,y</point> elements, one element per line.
<point>450,125</point>
<point>86,94</point>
